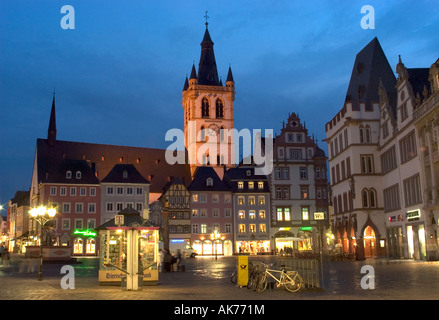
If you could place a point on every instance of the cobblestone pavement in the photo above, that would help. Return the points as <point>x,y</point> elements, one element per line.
<point>207,279</point>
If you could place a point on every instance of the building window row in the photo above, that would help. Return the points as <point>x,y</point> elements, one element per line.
<point>179,228</point>
<point>251,214</point>
<point>119,206</point>
<point>124,191</point>
<point>78,224</point>
<point>203,228</point>
<point>72,191</point>
<point>252,228</point>
<point>216,198</point>
<point>216,213</point>
<point>251,200</point>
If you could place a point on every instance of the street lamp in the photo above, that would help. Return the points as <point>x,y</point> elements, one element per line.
<point>42,215</point>
<point>214,236</point>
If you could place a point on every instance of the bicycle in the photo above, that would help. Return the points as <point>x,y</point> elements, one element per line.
<point>254,277</point>
<point>234,277</point>
<point>290,280</point>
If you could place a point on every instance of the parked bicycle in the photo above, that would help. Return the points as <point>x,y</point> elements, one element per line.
<point>234,277</point>
<point>290,280</point>
<point>254,277</point>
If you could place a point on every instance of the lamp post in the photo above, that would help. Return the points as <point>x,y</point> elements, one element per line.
<point>214,236</point>
<point>42,215</point>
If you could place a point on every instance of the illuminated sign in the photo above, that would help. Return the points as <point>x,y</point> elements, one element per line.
<point>306,228</point>
<point>85,233</point>
<point>319,216</point>
<point>118,219</point>
<point>177,240</point>
<point>413,215</point>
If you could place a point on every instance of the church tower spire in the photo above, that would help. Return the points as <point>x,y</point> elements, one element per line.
<point>208,113</point>
<point>51,132</point>
<point>207,69</point>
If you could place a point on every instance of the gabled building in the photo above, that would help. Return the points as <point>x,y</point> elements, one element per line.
<point>175,202</point>
<point>211,210</point>
<point>123,187</point>
<point>73,189</point>
<point>251,209</point>
<point>354,161</point>
<point>298,185</point>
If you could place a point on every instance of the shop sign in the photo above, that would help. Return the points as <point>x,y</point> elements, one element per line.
<point>319,216</point>
<point>177,241</point>
<point>413,215</point>
<point>392,219</point>
<point>118,219</point>
<point>85,233</point>
<point>306,228</point>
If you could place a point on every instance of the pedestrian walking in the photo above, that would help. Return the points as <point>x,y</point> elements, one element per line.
<point>168,261</point>
<point>5,257</point>
<point>161,260</point>
<point>2,248</point>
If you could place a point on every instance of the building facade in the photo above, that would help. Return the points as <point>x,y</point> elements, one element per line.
<point>298,185</point>
<point>408,151</point>
<point>75,192</point>
<point>211,210</point>
<point>123,187</point>
<point>251,210</point>
<point>426,118</point>
<point>382,159</point>
<point>355,170</point>
<point>175,202</point>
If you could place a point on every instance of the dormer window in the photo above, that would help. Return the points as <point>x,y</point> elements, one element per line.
<point>249,173</point>
<point>209,182</point>
<point>69,174</point>
<point>240,185</point>
<point>125,174</point>
<point>78,174</point>
<point>251,185</point>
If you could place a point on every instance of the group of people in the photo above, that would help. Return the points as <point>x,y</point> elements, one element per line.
<point>169,262</point>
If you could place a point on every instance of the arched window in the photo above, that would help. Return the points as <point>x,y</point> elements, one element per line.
<point>205,108</point>
<point>361,134</point>
<point>203,133</point>
<point>372,198</point>
<point>367,134</point>
<point>365,198</point>
<point>222,134</point>
<point>219,108</point>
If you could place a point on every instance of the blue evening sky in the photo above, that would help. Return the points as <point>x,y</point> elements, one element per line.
<point>119,74</point>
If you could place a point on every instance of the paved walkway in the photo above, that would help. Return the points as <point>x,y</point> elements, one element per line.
<point>207,279</point>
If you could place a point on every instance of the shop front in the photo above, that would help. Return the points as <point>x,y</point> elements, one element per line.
<point>253,246</point>
<point>406,236</point>
<point>208,247</point>
<point>286,242</point>
<point>84,242</point>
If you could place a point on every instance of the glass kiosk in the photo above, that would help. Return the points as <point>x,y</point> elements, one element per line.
<point>128,249</point>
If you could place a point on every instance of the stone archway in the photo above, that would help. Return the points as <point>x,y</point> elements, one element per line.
<point>367,243</point>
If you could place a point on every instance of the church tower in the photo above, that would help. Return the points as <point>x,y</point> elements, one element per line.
<point>208,113</point>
